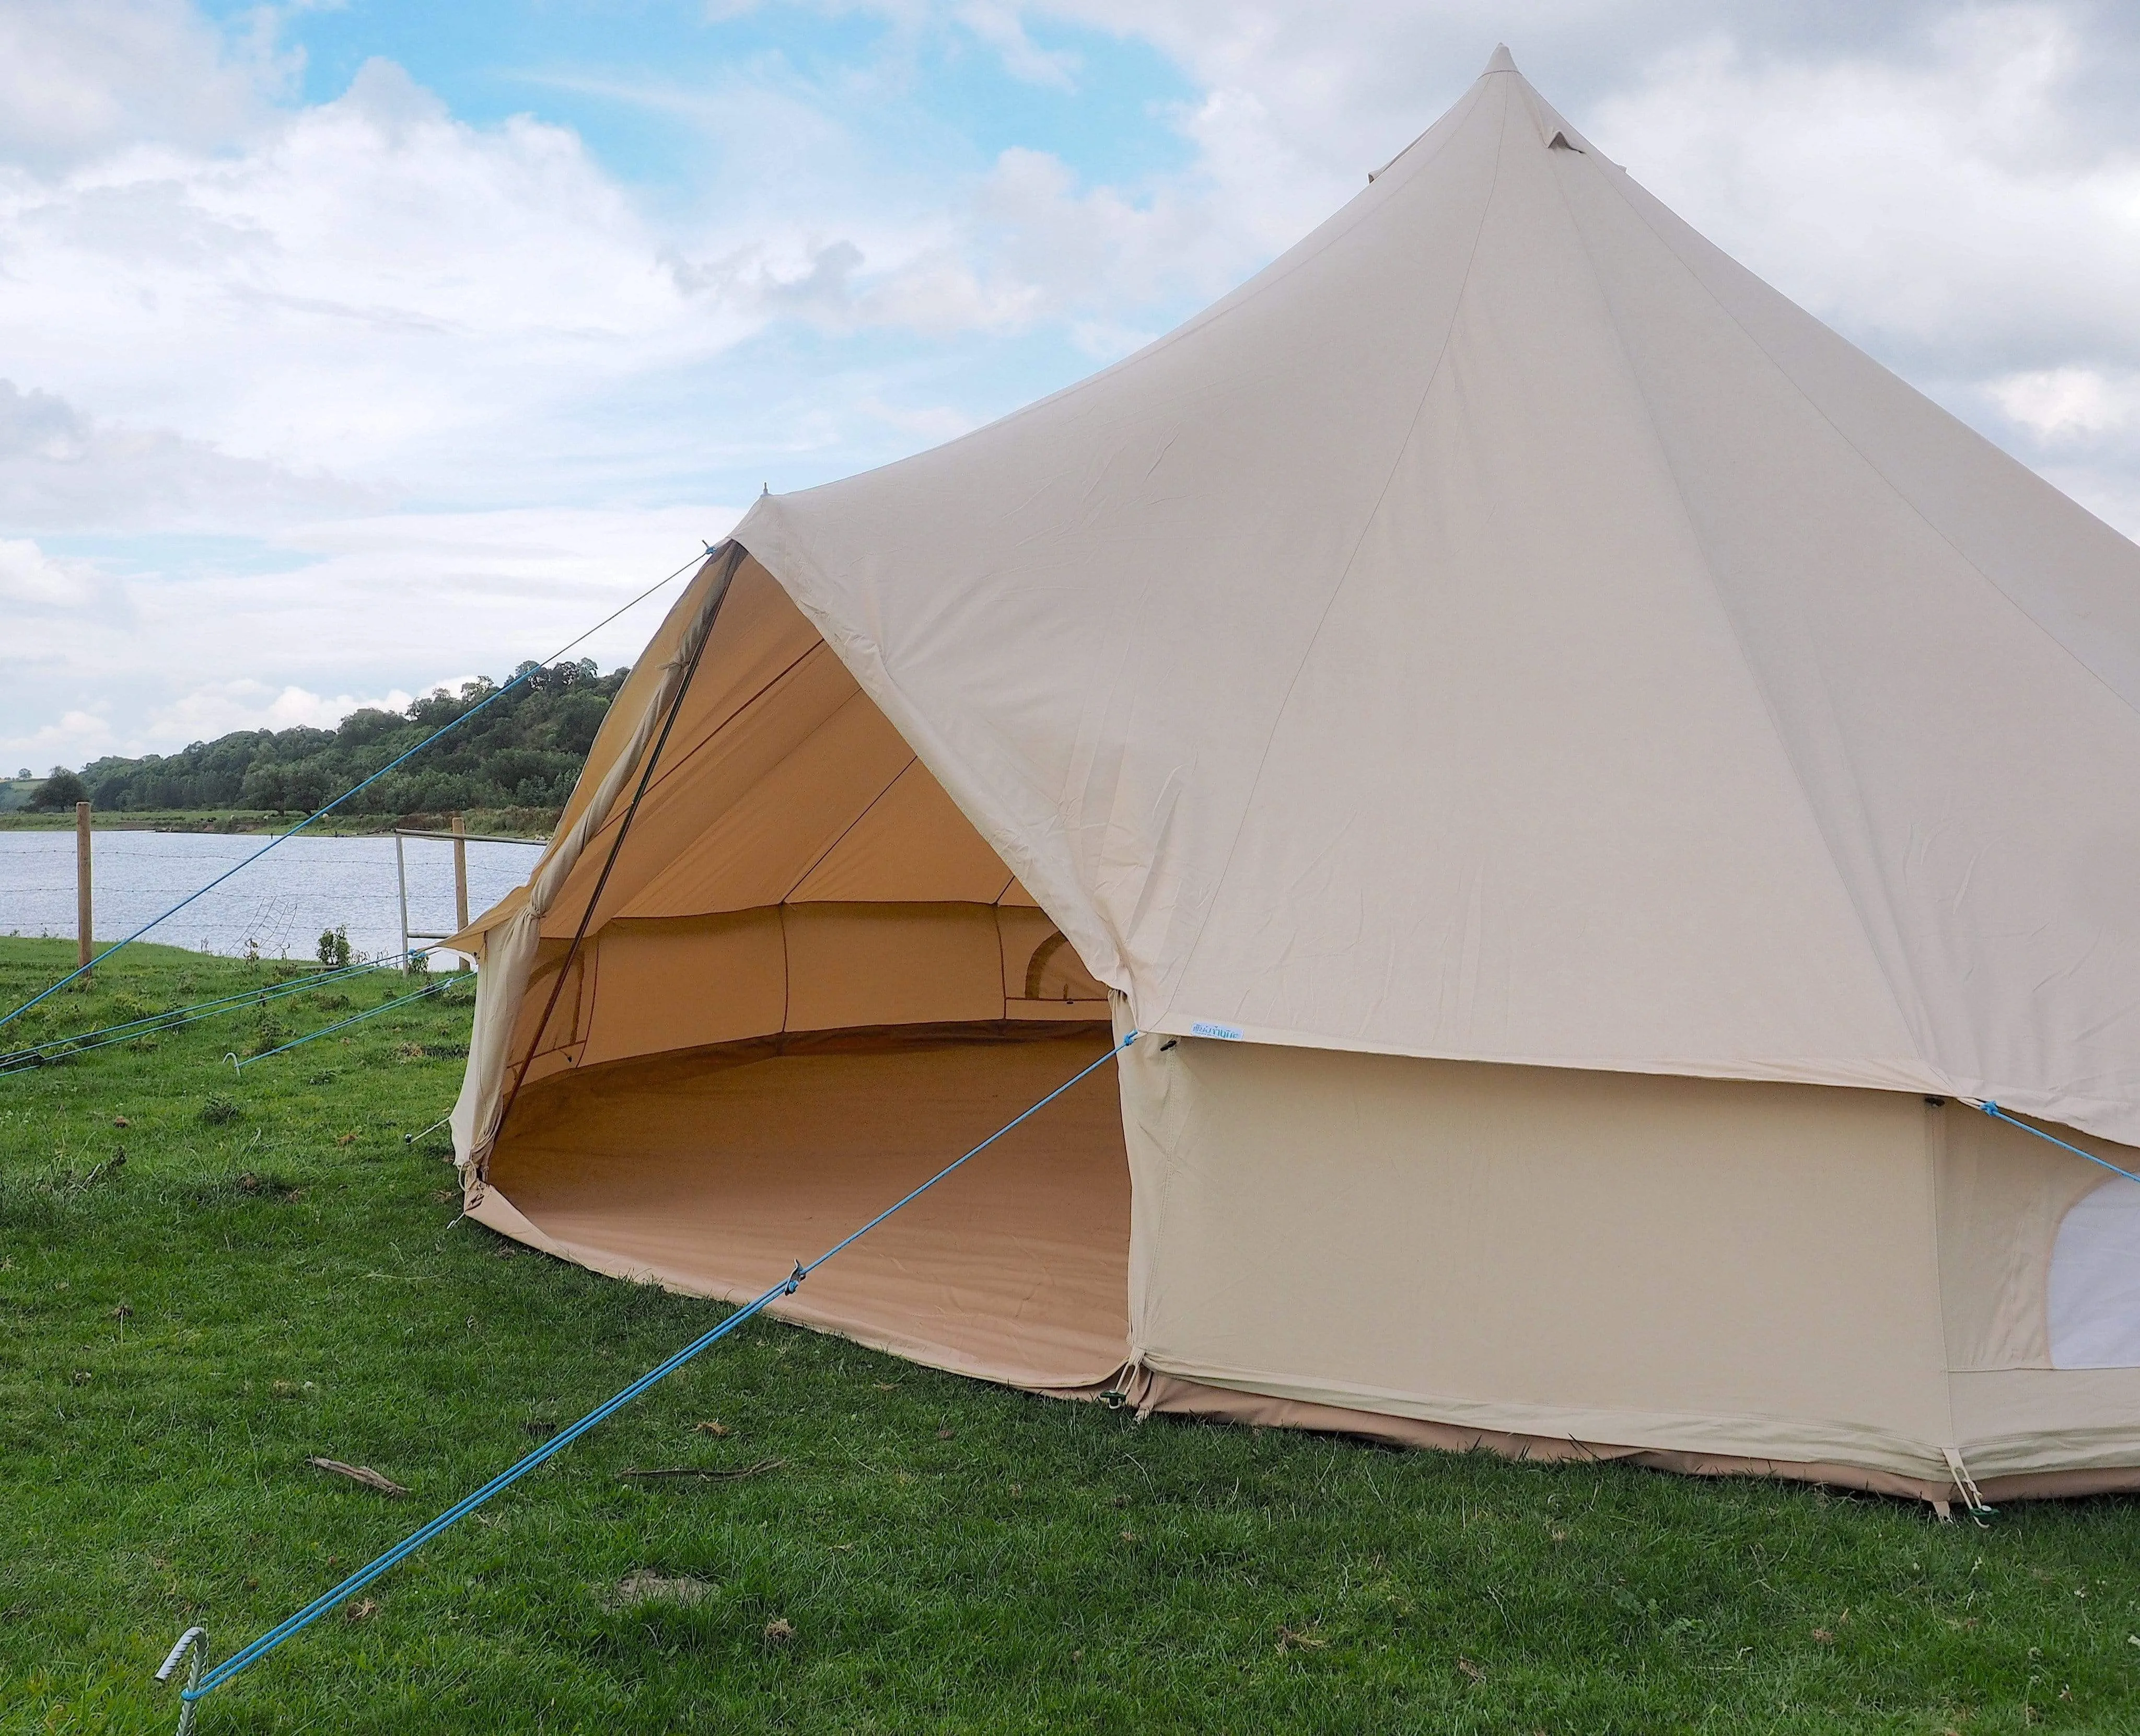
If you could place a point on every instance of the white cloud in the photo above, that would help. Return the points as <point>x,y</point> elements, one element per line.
<point>1956,188</point>
<point>77,738</point>
<point>373,288</point>
<point>1000,25</point>
<point>369,285</point>
<point>933,423</point>
<point>2069,403</point>
<point>352,607</point>
<point>1102,250</point>
<point>1951,212</point>
<point>1931,176</point>
<point>1025,244</point>
<point>62,470</point>
<point>31,579</point>
<point>80,76</point>
<point>219,708</point>
<point>1940,208</point>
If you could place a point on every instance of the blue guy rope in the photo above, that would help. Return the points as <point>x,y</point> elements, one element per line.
<point>364,1576</point>
<point>488,700</point>
<point>343,1024</point>
<point>172,1018</point>
<point>1997,1114</point>
<point>26,1059</point>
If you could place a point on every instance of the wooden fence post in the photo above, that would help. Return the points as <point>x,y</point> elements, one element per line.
<point>401,877</point>
<point>460,873</point>
<point>85,944</point>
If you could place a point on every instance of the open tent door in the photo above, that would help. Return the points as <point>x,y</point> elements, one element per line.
<point>802,984</point>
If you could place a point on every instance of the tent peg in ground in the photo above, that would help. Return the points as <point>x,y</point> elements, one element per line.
<point>196,1640</point>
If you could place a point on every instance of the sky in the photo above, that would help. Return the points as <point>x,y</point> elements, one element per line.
<point>346,349</point>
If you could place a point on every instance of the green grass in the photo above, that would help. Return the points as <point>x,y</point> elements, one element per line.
<point>173,819</point>
<point>180,1332</point>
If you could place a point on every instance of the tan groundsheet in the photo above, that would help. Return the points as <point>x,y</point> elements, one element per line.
<point>1505,629</point>
<point>715,1175</point>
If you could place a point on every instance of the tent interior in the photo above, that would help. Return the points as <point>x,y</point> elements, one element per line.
<point>803,980</point>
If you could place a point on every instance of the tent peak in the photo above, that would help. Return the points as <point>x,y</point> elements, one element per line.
<point>1502,61</point>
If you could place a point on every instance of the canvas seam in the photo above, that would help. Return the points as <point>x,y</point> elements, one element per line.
<point>1238,297</point>
<point>1934,1129</point>
<point>863,658</point>
<point>1865,459</point>
<point>819,860</point>
<point>787,964</point>
<point>1780,736</point>
<point>700,746</point>
<point>1345,573</point>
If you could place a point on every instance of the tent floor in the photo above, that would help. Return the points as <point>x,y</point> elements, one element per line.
<point>713,1173</point>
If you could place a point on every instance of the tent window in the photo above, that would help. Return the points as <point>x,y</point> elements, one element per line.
<point>2095,1281</point>
<point>1055,972</point>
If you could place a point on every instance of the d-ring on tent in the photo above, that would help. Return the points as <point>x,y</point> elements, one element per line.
<point>1583,778</point>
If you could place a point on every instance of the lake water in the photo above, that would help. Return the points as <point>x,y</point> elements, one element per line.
<point>279,904</point>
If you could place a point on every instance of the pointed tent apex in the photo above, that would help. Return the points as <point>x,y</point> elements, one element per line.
<point>1502,61</point>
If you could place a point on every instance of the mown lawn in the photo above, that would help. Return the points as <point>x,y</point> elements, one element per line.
<point>274,1273</point>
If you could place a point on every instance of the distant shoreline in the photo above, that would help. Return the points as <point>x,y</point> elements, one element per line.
<point>535,824</point>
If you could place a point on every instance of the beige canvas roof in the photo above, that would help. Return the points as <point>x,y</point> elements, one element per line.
<point>1505,629</point>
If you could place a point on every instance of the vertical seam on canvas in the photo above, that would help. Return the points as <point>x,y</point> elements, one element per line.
<point>1345,573</point>
<point>1933,1145</point>
<point>1913,1028</point>
<point>787,963</point>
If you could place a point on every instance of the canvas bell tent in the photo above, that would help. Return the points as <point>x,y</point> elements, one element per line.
<point>1580,777</point>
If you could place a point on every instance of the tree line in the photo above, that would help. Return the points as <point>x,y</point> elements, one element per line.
<point>523,751</point>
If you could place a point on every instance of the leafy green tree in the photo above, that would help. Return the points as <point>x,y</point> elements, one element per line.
<point>262,787</point>
<point>305,786</point>
<point>526,749</point>
<point>62,789</point>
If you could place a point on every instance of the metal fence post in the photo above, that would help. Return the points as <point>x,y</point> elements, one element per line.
<point>401,876</point>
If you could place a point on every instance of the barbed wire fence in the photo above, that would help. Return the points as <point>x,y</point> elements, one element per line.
<point>310,886</point>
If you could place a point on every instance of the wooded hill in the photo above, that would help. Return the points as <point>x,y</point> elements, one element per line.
<point>523,751</point>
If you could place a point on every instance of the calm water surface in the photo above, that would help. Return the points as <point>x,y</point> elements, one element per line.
<point>279,904</point>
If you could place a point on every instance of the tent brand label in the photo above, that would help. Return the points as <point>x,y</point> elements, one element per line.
<point>1228,1033</point>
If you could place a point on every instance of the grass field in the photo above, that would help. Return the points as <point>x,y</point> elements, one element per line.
<point>273,1274</point>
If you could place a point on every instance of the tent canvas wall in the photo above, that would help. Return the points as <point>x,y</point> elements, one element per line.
<point>1566,759</point>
